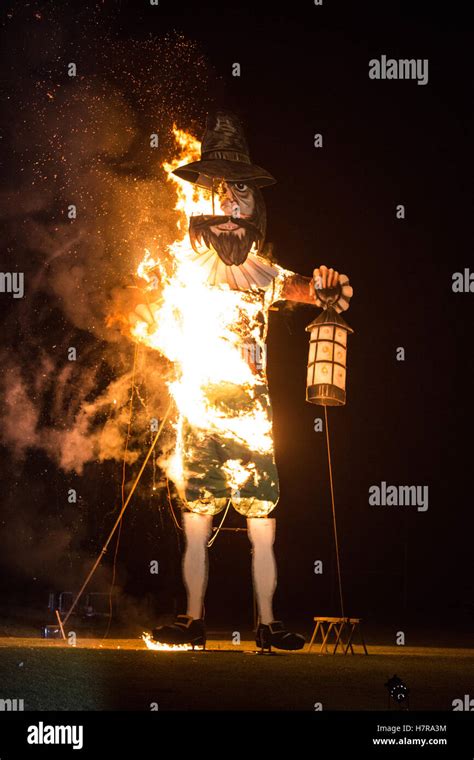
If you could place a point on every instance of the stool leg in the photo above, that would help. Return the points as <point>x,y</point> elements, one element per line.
<point>324,644</point>
<point>362,639</point>
<point>349,643</point>
<point>316,628</point>
<point>339,635</point>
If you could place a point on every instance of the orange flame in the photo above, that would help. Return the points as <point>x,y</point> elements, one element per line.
<point>158,647</point>
<point>199,328</point>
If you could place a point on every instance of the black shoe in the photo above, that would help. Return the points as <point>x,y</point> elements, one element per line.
<point>184,630</point>
<point>275,634</point>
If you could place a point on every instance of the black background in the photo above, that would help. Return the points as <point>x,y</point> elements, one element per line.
<point>385,143</point>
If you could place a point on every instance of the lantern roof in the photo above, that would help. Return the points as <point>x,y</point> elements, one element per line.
<point>329,316</point>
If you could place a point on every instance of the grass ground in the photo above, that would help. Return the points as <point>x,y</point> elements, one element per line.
<point>122,675</point>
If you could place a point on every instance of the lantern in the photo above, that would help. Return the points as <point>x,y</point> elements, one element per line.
<point>326,379</point>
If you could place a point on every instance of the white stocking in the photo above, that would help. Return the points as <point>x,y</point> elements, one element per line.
<point>261,532</point>
<point>197,529</point>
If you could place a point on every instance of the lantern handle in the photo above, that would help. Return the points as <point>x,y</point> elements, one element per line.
<point>327,296</point>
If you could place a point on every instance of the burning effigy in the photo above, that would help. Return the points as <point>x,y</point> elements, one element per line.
<point>205,309</point>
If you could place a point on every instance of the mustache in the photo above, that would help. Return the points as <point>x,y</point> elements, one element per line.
<point>205,221</point>
<point>231,248</point>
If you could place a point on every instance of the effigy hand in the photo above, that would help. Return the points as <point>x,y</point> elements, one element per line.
<point>128,307</point>
<point>331,288</point>
<point>143,312</point>
<point>326,280</point>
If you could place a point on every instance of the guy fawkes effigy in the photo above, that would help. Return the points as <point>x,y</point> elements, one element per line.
<point>209,317</point>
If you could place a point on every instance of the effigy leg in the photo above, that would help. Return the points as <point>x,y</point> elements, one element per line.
<point>197,530</point>
<point>261,533</point>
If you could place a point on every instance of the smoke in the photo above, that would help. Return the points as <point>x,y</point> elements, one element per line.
<point>83,194</point>
<point>20,420</point>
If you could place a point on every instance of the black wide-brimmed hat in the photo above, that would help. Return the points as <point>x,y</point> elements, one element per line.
<point>224,155</point>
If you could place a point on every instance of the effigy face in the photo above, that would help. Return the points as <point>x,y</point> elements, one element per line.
<point>241,224</point>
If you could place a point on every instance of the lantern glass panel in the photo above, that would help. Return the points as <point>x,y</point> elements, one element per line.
<point>339,354</point>
<point>309,380</point>
<point>325,350</point>
<point>323,373</point>
<point>341,336</point>
<point>339,377</point>
<point>326,332</point>
<point>312,351</point>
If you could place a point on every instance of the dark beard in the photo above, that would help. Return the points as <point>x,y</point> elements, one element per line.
<point>232,250</point>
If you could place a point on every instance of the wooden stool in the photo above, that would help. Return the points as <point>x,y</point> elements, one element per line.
<point>338,626</point>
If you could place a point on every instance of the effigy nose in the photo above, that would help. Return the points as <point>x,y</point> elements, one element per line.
<point>230,207</point>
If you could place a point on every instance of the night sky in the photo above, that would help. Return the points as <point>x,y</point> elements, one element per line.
<point>405,422</point>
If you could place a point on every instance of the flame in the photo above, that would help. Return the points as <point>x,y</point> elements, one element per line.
<point>238,474</point>
<point>158,647</point>
<point>202,330</point>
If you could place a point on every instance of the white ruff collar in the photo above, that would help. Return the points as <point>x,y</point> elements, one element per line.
<point>255,272</point>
